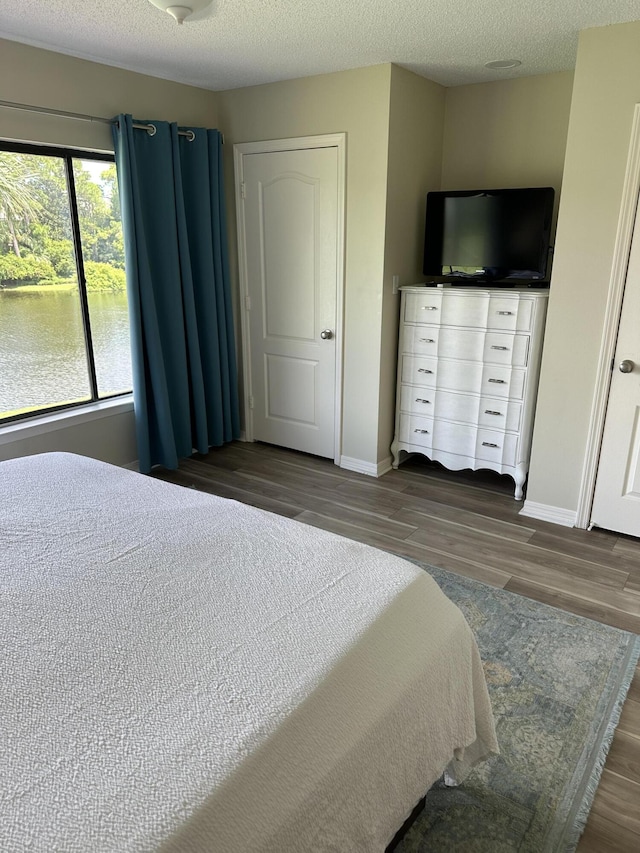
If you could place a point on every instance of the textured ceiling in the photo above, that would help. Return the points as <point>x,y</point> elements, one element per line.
<point>246,42</point>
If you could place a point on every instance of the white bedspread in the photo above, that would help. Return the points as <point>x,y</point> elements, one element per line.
<point>182,673</point>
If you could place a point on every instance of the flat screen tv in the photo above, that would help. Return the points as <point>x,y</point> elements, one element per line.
<point>489,236</point>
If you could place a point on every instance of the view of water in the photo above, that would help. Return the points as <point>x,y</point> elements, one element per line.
<point>42,353</point>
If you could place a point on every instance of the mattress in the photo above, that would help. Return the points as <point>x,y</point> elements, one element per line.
<point>183,673</point>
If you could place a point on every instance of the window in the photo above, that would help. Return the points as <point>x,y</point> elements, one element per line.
<point>64,325</point>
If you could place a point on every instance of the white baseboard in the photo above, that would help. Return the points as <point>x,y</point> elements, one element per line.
<point>384,466</point>
<point>362,467</point>
<point>554,514</point>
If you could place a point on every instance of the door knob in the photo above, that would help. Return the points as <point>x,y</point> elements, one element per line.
<point>626,366</point>
<point>326,334</point>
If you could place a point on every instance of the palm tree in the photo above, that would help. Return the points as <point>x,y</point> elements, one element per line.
<point>18,204</point>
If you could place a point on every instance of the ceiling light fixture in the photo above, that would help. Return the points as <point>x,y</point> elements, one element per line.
<point>497,63</point>
<point>179,12</point>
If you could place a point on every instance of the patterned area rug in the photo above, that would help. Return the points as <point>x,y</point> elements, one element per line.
<point>557,684</point>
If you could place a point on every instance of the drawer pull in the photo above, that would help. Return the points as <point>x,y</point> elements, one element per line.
<point>489,444</point>
<point>490,412</point>
<point>422,431</point>
<point>420,400</point>
<point>424,370</point>
<point>493,346</point>
<point>498,381</point>
<point>505,313</point>
<point>427,341</point>
<point>429,307</point>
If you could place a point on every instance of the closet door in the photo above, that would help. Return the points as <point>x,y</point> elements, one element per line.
<point>291,222</point>
<point>616,504</point>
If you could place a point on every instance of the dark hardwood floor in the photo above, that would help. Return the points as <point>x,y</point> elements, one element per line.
<point>470,524</point>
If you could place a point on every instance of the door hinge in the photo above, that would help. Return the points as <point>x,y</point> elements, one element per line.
<point>247,303</point>
<point>251,402</point>
<point>243,189</point>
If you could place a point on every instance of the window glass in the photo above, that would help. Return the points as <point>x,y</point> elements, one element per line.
<point>103,253</point>
<point>46,357</point>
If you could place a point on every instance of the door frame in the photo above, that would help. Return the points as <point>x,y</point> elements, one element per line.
<point>615,294</point>
<point>240,150</point>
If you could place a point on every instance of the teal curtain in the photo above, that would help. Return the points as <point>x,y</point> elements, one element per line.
<point>176,256</point>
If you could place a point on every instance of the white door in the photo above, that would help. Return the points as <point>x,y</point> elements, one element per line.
<point>291,235</point>
<point>616,504</point>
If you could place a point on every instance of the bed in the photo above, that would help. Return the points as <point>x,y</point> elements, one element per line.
<point>182,673</point>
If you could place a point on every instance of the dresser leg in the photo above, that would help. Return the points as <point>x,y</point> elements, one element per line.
<point>520,476</point>
<point>395,452</point>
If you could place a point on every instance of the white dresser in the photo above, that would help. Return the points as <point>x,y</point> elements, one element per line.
<point>468,366</point>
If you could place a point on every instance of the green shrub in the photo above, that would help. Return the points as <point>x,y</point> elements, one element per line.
<point>29,270</point>
<point>103,276</point>
<point>60,253</point>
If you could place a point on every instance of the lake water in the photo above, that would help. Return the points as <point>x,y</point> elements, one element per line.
<point>42,351</point>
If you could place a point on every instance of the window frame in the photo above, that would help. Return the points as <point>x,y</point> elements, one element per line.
<point>68,155</point>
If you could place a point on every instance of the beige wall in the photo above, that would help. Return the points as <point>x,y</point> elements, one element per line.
<point>606,88</point>
<point>109,437</point>
<point>414,164</point>
<point>45,79</point>
<point>355,102</point>
<point>511,133</point>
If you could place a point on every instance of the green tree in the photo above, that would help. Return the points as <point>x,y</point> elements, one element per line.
<point>99,214</point>
<point>109,180</point>
<point>49,185</point>
<point>35,217</point>
<point>19,205</point>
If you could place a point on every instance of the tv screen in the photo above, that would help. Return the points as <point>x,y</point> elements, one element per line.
<point>499,236</point>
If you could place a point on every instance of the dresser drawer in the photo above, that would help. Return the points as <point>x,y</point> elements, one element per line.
<point>512,314</point>
<point>433,435</point>
<point>423,307</point>
<point>500,414</point>
<point>486,411</point>
<point>467,344</point>
<point>480,310</point>
<point>464,376</point>
<point>484,444</point>
<point>500,381</point>
<point>419,371</point>
<point>419,401</point>
<point>416,430</point>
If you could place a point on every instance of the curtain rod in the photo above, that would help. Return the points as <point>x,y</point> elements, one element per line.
<point>150,128</point>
